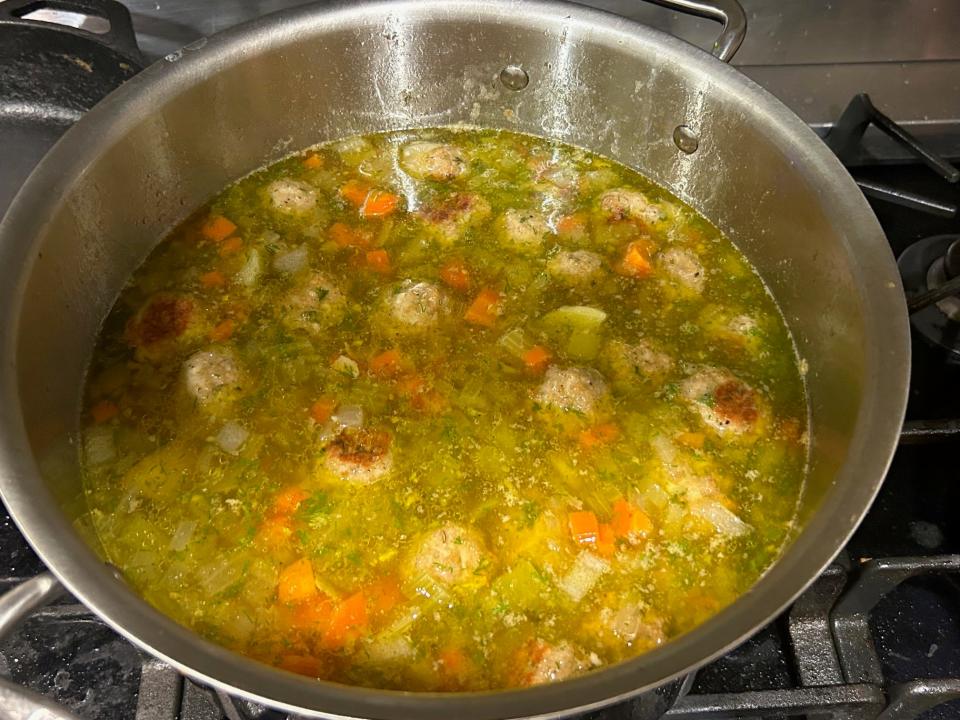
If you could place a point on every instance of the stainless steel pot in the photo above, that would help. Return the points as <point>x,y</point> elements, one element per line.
<point>176,134</point>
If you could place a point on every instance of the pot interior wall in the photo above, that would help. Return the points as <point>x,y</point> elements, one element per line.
<point>602,89</point>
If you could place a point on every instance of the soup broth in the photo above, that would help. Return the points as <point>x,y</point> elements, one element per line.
<point>444,409</point>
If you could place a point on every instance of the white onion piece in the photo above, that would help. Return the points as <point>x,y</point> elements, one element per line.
<point>346,366</point>
<point>98,445</point>
<point>250,272</point>
<point>328,431</point>
<point>183,533</point>
<point>222,574</point>
<point>231,437</point>
<point>586,570</point>
<point>724,520</point>
<point>291,262</point>
<point>349,416</point>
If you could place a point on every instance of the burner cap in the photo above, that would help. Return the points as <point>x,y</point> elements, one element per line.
<point>926,265</point>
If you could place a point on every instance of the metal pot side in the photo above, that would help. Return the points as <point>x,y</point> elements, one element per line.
<point>183,129</point>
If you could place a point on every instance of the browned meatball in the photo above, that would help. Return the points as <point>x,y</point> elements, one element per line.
<point>360,455</point>
<point>164,323</point>
<point>725,402</point>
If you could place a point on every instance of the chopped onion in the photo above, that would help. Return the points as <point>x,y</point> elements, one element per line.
<point>349,416</point>
<point>98,445</point>
<point>142,558</point>
<point>586,570</point>
<point>183,533</point>
<point>514,342</point>
<point>231,437</point>
<point>250,272</point>
<point>723,519</point>
<point>222,574</point>
<point>346,366</point>
<point>291,262</point>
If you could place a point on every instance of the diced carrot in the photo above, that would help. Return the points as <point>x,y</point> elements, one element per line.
<point>410,385</point>
<point>274,532</point>
<point>622,512</point>
<point>379,261</point>
<point>104,410</point>
<point>296,582</point>
<point>630,521</point>
<point>288,500</point>
<point>453,660</point>
<point>217,228</point>
<point>313,161</point>
<point>383,595</point>
<point>348,621</point>
<point>456,275</point>
<point>386,364</point>
<point>346,236</point>
<point>222,331</point>
<point>605,540</point>
<point>602,434</point>
<point>213,279</point>
<point>429,401</point>
<point>231,246</point>
<point>322,409</point>
<point>640,524</point>
<point>485,308</point>
<point>302,665</point>
<point>790,430</point>
<point>571,224</point>
<point>314,614</point>
<point>536,359</point>
<point>354,191</point>
<point>583,527</point>
<point>379,203</point>
<point>692,440</point>
<point>636,260</point>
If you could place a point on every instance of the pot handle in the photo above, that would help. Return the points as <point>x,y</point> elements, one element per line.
<point>120,35</point>
<point>17,703</point>
<point>728,12</point>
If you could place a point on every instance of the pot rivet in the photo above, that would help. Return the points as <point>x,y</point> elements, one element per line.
<point>514,77</point>
<point>686,139</point>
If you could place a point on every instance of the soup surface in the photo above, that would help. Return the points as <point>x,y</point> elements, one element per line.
<point>444,410</point>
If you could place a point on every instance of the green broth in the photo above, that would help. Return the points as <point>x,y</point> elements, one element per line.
<point>444,410</point>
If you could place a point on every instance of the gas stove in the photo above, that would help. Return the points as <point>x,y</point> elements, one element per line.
<point>876,636</point>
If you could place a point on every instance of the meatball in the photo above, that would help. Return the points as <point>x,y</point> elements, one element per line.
<point>209,373</point>
<point>431,160</point>
<point>314,304</point>
<point>577,389</point>
<point>359,455</point>
<point>626,204</point>
<point>164,323</point>
<point>448,220</point>
<point>449,555</point>
<point>522,230</point>
<point>725,402</point>
<point>552,663</point>
<point>575,267</point>
<point>638,360</point>
<point>417,306</point>
<point>291,196</point>
<point>684,266</point>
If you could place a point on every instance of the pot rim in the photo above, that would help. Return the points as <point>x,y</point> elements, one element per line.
<point>871,449</point>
